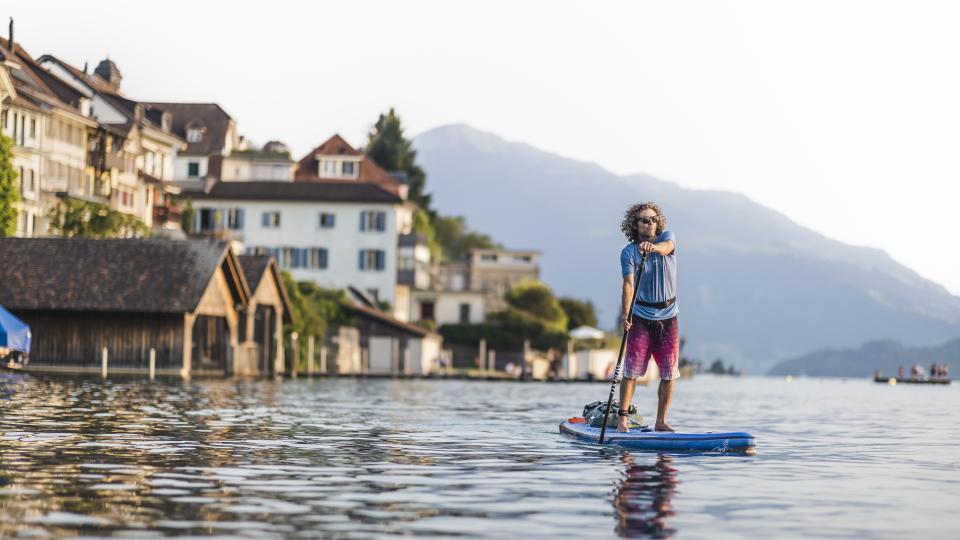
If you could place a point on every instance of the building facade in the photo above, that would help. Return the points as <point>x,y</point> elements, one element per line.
<point>336,231</point>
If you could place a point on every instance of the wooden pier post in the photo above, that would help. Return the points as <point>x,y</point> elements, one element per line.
<point>310,360</point>
<point>153,363</point>
<point>295,353</point>
<point>103,363</point>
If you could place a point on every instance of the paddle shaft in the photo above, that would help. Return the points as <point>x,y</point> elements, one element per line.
<point>623,345</point>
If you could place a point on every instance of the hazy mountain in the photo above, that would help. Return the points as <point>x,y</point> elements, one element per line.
<point>755,288</point>
<point>885,355</point>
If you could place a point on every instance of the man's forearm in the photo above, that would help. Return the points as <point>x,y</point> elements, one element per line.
<point>663,248</point>
<point>625,300</point>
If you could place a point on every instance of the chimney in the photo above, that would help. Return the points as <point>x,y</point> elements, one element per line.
<point>85,66</point>
<point>10,37</point>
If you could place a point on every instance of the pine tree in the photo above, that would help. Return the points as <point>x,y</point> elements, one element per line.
<point>9,188</point>
<point>390,149</point>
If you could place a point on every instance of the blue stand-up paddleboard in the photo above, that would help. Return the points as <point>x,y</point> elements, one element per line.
<point>730,441</point>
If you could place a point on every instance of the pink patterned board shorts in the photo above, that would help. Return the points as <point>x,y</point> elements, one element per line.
<point>660,339</point>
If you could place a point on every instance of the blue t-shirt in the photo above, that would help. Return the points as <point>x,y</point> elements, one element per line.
<point>659,280</point>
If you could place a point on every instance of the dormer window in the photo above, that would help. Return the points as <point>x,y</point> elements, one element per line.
<point>194,135</point>
<point>338,167</point>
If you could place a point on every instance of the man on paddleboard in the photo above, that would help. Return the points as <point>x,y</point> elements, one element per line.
<point>653,330</point>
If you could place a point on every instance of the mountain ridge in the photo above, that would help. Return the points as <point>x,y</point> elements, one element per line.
<point>744,269</point>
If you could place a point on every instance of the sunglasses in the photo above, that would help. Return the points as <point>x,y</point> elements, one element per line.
<point>647,220</point>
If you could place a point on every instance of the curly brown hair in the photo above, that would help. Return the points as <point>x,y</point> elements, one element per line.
<point>629,223</point>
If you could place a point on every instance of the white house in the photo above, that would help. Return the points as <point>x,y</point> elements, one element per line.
<point>336,232</point>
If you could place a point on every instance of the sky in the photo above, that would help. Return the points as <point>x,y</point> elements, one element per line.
<point>843,115</point>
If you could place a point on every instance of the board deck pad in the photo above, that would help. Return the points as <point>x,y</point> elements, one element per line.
<point>727,441</point>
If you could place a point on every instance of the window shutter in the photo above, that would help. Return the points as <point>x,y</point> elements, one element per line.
<point>381,221</point>
<point>265,219</point>
<point>363,221</point>
<point>240,218</point>
<point>380,259</point>
<point>362,253</point>
<point>323,258</point>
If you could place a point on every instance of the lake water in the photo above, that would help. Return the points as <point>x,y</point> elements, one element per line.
<point>369,458</point>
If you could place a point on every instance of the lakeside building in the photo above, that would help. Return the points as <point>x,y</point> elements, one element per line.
<point>466,291</point>
<point>49,128</point>
<point>76,136</point>
<point>133,151</point>
<point>215,150</point>
<point>185,300</point>
<point>261,329</point>
<point>387,346</point>
<point>337,224</point>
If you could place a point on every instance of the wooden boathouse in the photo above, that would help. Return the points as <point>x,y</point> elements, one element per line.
<point>182,299</point>
<point>261,330</point>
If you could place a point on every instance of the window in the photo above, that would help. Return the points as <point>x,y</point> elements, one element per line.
<point>235,218</point>
<point>348,168</point>
<point>209,219</point>
<point>194,135</point>
<point>270,220</point>
<point>464,313</point>
<point>292,258</point>
<point>426,311</point>
<point>521,258</point>
<point>373,220</point>
<point>375,294</point>
<point>33,128</point>
<point>326,220</point>
<point>33,180</point>
<point>328,168</point>
<point>372,259</point>
<point>489,258</point>
<point>193,169</point>
<point>318,258</point>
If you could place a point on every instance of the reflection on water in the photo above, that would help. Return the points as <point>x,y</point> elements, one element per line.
<point>356,458</point>
<point>643,500</point>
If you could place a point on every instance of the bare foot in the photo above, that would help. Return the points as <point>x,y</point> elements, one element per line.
<point>622,425</point>
<point>663,427</point>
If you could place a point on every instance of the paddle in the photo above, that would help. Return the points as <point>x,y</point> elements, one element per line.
<point>623,344</point>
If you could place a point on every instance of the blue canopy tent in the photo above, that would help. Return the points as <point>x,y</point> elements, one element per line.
<point>14,333</point>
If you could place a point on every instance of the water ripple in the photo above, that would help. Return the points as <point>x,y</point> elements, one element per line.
<point>354,458</point>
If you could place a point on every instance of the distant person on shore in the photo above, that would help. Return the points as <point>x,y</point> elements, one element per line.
<point>653,329</point>
<point>900,373</point>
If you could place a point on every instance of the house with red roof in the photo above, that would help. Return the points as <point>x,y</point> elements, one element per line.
<point>336,224</point>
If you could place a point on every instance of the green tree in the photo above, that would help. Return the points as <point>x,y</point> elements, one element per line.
<point>9,189</point>
<point>456,240</point>
<point>75,218</point>
<point>535,299</point>
<point>315,310</point>
<point>389,148</point>
<point>187,217</point>
<point>532,313</point>
<point>579,312</point>
<point>422,226</point>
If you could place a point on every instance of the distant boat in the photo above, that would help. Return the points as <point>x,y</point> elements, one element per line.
<point>887,380</point>
<point>14,340</point>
